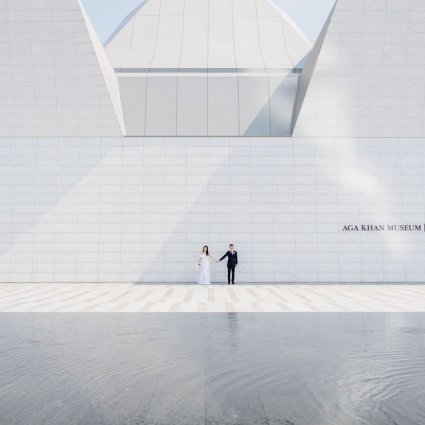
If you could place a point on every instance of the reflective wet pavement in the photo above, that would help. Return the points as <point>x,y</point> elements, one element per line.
<point>216,368</point>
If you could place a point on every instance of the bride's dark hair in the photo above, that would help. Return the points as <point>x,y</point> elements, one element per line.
<point>206,246</point>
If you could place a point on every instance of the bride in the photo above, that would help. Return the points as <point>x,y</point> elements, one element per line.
<point>203,262</point>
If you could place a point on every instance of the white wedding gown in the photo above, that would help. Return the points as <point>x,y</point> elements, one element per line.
<point>204,275</point>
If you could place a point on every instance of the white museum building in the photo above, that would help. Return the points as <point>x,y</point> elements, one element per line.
<point>297,135</point>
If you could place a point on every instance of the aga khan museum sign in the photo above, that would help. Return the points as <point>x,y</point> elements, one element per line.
<point>383,228</point>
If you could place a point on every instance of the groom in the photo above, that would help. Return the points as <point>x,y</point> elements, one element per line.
<point>232,261</point>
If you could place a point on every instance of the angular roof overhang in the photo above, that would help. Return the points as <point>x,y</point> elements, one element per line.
<point>250,42</point>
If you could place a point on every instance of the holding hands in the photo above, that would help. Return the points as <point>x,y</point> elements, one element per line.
<point>203,263</point>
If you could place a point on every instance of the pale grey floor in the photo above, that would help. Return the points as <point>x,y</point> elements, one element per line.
<point>123,297</point>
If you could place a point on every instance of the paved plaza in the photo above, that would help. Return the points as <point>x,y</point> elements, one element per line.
<point>215,298</point>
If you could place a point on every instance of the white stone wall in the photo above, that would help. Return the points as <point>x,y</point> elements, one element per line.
<point>50,81</point>
<point>79,203</point>
<point>140,209</point>
<point>370,77</point>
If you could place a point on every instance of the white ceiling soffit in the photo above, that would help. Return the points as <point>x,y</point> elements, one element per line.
<point>207,68</point>
<point>178,34</point>
<point>290,21</point>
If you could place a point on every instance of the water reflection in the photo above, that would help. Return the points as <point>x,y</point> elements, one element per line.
<point>300,369</point>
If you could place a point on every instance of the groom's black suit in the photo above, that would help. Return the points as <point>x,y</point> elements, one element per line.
<point>232,261</point>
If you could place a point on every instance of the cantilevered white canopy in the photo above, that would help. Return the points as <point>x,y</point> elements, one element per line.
<point>208,35</point>
<point>208,67</point>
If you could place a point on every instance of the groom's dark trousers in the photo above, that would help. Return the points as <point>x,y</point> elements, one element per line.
<point>231,270</point>
<point>232,261</point>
